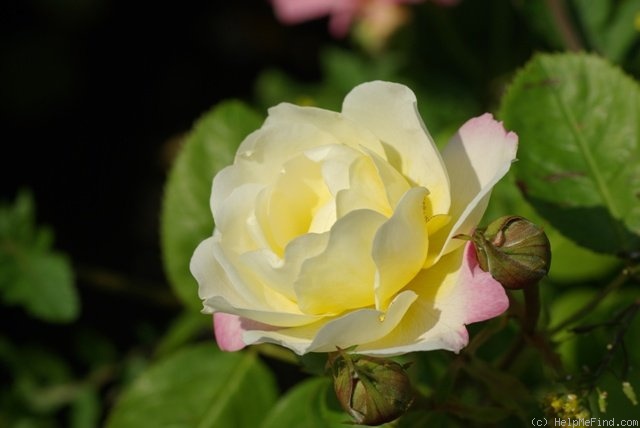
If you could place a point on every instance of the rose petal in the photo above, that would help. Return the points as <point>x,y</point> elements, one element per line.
<point>227,285</point>
<point>278,144</point>
<point>452,293</point>
<point>237,236</point>
<point>400,246</point>
<point>286,209</point>
<point>394,183</point>
<point>366,190</point>
<point>478,156</point>
<point>361,326</point>
<point>348,132</point>
<point>389,111</point>
<point>280,273</point>
<point>228,331</point>
<point>212,279</point>
<point>485,297</point>
<point>342,277</point>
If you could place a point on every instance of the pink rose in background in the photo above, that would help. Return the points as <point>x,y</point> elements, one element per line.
<point>342,13</point>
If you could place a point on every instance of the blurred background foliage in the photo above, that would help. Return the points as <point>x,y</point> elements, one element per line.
<point>96,100</point>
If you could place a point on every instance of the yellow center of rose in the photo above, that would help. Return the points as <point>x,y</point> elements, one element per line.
<point>314,191</point>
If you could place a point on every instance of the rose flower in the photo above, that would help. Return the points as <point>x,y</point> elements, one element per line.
<point>338,229</point>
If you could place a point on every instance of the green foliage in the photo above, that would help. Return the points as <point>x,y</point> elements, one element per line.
<point>186,216</point>
<point>576,116</point>
<point>609,27</point>
<point>578,177</point>
<point>199,386</point>
<point>40,384</point>
<point>311,404</point>
<point>507,199</point>
<point>32,274</point>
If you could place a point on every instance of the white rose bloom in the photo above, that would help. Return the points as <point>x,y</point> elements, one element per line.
<point>337,229</point>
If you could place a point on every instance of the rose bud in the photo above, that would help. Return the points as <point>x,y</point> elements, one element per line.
<point>372,390</point>
<point>514,250</point>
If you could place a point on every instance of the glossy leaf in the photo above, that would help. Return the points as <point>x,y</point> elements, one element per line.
<point>566,255</point>
<point>199,387</point>
<point>579,155</point>
<point>186,216</point>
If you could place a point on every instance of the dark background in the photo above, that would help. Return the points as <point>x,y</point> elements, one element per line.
<point>91,91</point>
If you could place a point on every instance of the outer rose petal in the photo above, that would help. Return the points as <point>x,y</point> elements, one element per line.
<point>436,320</point>
<point>228,331</point>
<point>226,289</point>
<point>360,326</point>
<point>477,157</point>
<point>484,297</point>
<point>464,294</point>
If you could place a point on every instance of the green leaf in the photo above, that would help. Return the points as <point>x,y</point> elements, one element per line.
<point>44,286</point>
<point>186,216</point>
<point>311,404</point>
<point>32,274</point>
<point>577,119</point>
<point>566,255</point>
<point>198,387</point>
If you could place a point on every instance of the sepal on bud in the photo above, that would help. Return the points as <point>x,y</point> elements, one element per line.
<point>372,390</point>
<point>515,251</point>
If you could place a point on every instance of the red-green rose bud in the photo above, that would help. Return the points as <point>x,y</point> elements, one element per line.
<point>372,390</point>
<point>515,251</point>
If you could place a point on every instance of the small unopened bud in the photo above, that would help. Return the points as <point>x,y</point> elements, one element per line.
<point>372,390</point>
<point>515,251</point>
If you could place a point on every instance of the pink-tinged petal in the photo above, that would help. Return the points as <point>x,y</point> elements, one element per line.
<point>477,157</point>
<point>485,297</point>
<point>228,331</point>
<point>453,293</point>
